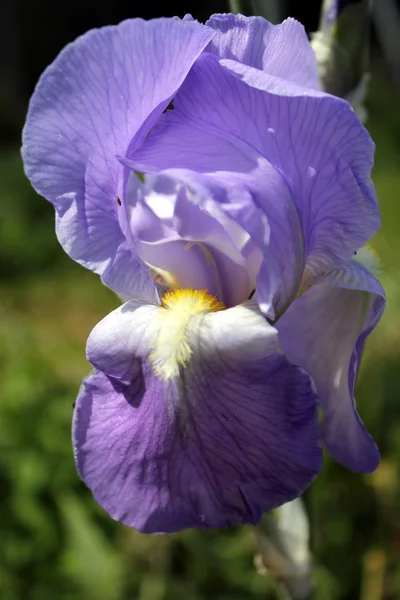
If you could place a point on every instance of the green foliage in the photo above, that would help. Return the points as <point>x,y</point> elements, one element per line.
<point>57,544</point>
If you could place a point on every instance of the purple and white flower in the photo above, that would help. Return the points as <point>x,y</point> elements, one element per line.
<point>200,171</point>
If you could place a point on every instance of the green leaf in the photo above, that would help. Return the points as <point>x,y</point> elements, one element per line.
<point>88,557</point>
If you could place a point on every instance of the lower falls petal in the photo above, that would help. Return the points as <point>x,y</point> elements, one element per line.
<point>233,435</point>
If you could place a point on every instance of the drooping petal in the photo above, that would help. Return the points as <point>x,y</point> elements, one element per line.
<point>324,333</point>
<point>233,436</point>
<point>102,94</point>
<point>314,142</point>
<point>282,50</point>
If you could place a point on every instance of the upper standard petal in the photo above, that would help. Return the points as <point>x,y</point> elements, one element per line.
<point>308,148</point>
<point>101,94</point>
<point>282,50</point>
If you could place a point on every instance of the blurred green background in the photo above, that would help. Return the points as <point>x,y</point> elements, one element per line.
<point>57,544</point>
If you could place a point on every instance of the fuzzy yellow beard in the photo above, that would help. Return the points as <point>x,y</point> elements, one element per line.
<point>171,349</point>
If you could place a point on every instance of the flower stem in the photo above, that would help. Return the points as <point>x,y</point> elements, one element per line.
<point>272,10</point>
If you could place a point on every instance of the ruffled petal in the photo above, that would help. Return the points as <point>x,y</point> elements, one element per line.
<point>236,127</point>
<point>102,94</point>
<point>251,191</point>
<point>324,333</point>
<point>234,435</point>
<point>282,50</point>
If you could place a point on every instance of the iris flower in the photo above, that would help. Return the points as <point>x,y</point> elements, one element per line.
<point>201,172</point>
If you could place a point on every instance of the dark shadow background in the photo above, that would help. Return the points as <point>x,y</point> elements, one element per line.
<point>55,542</point>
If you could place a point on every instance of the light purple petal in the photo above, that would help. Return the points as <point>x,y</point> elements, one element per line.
<point>282,50</point>
<point>241,202</point>
<point>261,205</point>
<point>312,141</point>
<point>123,336</point>
<point>235,435</point>
<point>102,94</point>
<point>107,251</point>
<point>189,236</point>
<point>238,177</point>
<point>324,332</point>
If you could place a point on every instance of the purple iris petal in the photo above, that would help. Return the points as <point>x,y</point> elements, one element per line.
<point>192,239</point>
<point>276,242</point>
<point>235,435</point>
<point>247,186</point>
<point>225,127</point>
<point>281,50</point>
<point>324,332</point>
<point>101,95</point>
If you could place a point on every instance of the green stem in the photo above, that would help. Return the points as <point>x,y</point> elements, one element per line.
<point>243,7</point>
<point>272,10</point>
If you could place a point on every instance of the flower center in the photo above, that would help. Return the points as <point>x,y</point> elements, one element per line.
<point>171,347</point>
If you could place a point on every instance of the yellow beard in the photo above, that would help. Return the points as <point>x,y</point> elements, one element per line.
<point>171,349</point>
